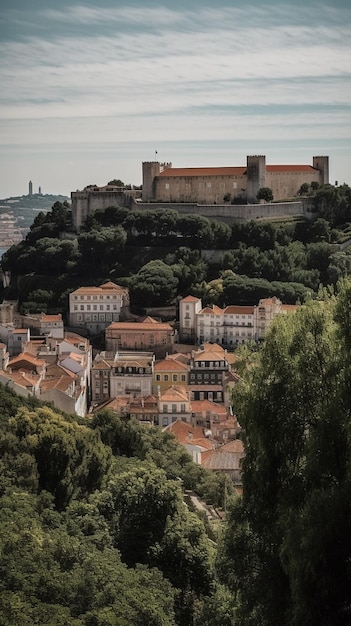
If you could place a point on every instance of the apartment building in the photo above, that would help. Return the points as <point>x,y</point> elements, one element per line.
<point>121,374</point>
<point>173,404</point>
<point>148,334</point>
<point>230,326</point>
<point>168,372</point>
<point>94,308</point>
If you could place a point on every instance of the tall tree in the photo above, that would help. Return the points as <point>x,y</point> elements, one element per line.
<point>288,546</point>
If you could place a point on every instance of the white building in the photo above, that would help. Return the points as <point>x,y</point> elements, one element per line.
<point>94,308</point>
<point>231,326</point>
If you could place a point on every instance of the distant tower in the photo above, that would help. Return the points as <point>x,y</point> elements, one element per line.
<point>30,193</point>
<point>39,191</point>
<point>321,163</point>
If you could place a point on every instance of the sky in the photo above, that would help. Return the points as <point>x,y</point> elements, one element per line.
<point>90,90</point>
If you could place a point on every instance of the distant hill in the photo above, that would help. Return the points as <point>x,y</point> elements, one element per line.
<point>17,214</point>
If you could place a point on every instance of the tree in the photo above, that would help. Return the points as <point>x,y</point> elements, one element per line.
<point>287,547</point>
<point>303,191</point>
<point>154,285</point>
<point>116,182</point>
<point>265,193</point>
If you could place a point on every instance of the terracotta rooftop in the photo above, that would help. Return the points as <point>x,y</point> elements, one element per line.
<point>190,299</point>
<point>290,168</point>
<point>206,406</point>
<point>100,290</point>
<point>26,357</point>
<point>135,326</point>
<point>191,435</point>
<point>173,393</point>
<point>51,318</point>
<point>214,310</point>
<point>239,310</point>
<point>170,365</point>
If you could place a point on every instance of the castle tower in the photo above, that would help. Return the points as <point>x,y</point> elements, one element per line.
<point>30,188</point>
<point>321,163</point>
<point>151,169</point>
<point>256,176</point>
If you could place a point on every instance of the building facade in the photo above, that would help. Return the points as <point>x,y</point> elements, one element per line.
<point>121,374</point>
<point>94,308</point>
<point>148,334</point>
<point>231,326</point>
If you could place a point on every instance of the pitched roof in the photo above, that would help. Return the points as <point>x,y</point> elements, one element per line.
<point>112,287</point>
<point>146,325</point>
<point>205,406</point>
<point>170,365</point>
<point>239,310</point>
<point>191,435</point>
<point>51,318</point>
<point>190,299</point>
<point>26,357</point>
<point>175,394</point>
<point>214,310</point>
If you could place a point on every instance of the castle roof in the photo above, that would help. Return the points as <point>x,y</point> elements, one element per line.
<point>201,171</point>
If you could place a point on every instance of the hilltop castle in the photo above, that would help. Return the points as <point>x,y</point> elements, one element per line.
<point>216,192</point>
<point>210,185</point>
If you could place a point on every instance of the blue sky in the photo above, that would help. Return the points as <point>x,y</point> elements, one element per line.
<point>92,89</point>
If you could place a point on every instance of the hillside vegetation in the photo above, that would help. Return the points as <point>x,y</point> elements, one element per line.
<point>94,530</point>
<point>157,254</point>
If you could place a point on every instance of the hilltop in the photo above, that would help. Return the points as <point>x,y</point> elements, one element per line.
<point>18,213</point>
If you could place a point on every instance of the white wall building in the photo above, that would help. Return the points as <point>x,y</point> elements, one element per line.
<point>231,326</point>
<point>94,308</point>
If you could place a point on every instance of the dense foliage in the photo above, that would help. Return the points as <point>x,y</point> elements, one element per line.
<point>93,526</point>
<point>287,548</point>
<point>159,255</point>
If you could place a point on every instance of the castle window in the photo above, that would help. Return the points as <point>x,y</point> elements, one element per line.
<point>235,185</point>
<point>167,186</point>
<point>208,185</point>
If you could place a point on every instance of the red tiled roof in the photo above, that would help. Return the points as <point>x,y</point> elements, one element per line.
<point>168,365</point>
<point>215,310</point>
<point>147,325</point>
<point>201,171</point>
<point>190,299</point>
<point>239,310</point>
<point>290,168</point>
<point>51,318</point>
<point>191,435</point>
<point>174,393</point>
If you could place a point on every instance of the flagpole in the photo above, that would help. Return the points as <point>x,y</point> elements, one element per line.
<point>155,155</point>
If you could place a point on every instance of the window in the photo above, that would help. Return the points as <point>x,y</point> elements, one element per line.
<point>174,408</point>
<point>182,408</point>
<point>158,377</point>
<point>166,377</point>
<point>183,378</point>
<point>174,378</point>
<point>208,185</point>
<point>165,408</point>
<point>167,186</point>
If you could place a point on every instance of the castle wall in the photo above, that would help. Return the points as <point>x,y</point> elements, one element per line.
<point>88,201</point>
<point>230,213</point>
<point>287,184</point>
<point>199,189</point>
